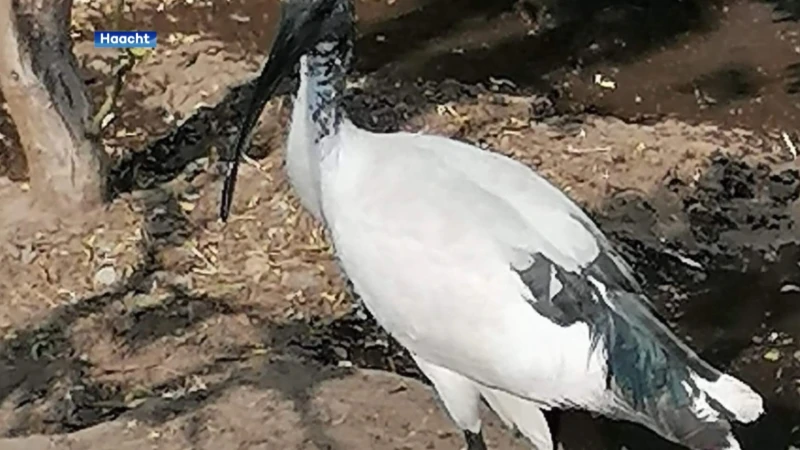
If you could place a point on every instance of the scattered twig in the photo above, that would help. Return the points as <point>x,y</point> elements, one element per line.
<point>112,404</point>
<point>502,82</point>
<point>786,288</point>
<point>211,268</point>
<point>257,165</point>
<point>789,144</point>
<point>684,259</point>
<point>131,368</point>
<point>584,151</point>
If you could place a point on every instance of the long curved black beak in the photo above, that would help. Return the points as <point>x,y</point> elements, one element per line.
<point>298,30</point>
<point>279,63</point>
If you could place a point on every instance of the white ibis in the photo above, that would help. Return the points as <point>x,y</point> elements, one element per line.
<point>497,283</point>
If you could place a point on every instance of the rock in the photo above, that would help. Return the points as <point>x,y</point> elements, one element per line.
<point>772,355</point>
<point>106,276</point>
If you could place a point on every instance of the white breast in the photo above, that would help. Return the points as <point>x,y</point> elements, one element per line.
<point>302,163</point>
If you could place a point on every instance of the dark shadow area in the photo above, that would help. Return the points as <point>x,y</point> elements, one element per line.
<point>166,224</point>
<point>793,78</point>
<point>140,326</point>
<point>785,10</point>
<point>178,151</point>
<point>39,361</point>
<point>653,47</point>
<point>735,309</point>
<point>788,11</point>
<point>725,85</point>
<point>776,426</point>
<point>587,32</point>
<point>13,163</point>
<point>355,338</point>
<point>394,38</point>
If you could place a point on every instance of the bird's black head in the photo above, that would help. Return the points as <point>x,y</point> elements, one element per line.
<point>303,24</point>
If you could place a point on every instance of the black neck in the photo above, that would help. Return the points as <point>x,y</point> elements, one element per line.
<point>328,63</point>
<point>326,71</point>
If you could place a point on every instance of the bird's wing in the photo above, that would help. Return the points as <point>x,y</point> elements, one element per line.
<point>527,192</point>
<point>567,248</point>
<point>571,273</point>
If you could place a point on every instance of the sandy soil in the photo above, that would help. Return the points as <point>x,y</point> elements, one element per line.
<point>150,325</point>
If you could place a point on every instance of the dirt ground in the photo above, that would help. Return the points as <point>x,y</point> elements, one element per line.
<point>151,325</point>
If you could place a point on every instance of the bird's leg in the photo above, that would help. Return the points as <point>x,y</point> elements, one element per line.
<point>461,399</point>
<point>553,419</point>
<point>474,440</point>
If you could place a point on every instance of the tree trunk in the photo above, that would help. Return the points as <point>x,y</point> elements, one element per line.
<point>49,105</point>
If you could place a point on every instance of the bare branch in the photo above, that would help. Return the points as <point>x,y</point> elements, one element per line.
<point>123,64</point>
<point>49,104</point>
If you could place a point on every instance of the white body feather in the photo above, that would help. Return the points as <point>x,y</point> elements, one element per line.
<point>302,161</point>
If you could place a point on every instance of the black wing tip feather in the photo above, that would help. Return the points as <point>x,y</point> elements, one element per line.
<point>690,430</point>
<point>644,361</point>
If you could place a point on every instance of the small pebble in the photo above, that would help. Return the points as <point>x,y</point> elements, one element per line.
<point>340,352</point>
<point>105,276</point>
<point>773,355</point>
